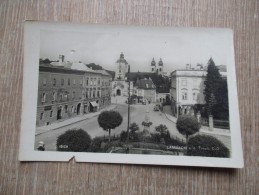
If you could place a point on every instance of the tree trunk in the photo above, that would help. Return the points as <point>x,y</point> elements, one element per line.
<point>109,135</point>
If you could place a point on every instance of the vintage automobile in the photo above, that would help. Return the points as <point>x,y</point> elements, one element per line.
<point>156,108</point>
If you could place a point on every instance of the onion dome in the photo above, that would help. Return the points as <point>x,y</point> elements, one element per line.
<point>160,63</point>
<point>153,63</point>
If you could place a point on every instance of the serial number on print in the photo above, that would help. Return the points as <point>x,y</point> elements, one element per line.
<point>63,146</point>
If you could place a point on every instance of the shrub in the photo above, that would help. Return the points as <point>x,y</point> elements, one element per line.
<point>155,137</point>
<point>96,145</point>
<point>205,145</point>
<point>74,141</point>
<point>123,136</point>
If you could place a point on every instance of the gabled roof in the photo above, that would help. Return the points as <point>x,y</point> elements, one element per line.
<point>145,84</point>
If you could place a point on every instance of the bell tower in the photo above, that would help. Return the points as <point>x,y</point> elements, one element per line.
<point>160,68</point>
<point>153,66</point>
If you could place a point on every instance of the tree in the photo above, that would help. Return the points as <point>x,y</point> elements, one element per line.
<point>94,66</point>
<point>205,145</point>
<point>146,124</point>
<point>109,120</point>
<point>74,141</point>
<point>187,125</point>
<point>215,92</point>
<point>133,128</point>
<point>162,129</point>
<point>221,110</point>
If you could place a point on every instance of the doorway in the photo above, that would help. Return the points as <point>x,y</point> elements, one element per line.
<point>118,92</point>
<point>59,113</point>
<point>78,108</point>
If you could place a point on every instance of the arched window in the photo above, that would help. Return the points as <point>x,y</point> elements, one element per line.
<point>184,94</point>
<point>68,82</point>
<point>62,82</point>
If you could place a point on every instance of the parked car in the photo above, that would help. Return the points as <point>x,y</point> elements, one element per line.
<point>156,108</point>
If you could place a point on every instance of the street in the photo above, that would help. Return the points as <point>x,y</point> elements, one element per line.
<point>137,114</point>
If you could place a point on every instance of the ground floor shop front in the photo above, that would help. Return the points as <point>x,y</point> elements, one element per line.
<point>48,114</point>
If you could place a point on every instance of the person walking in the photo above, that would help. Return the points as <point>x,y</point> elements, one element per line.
<point>41,146</point>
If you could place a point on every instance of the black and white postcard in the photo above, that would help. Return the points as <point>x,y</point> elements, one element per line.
<point>130,94</point>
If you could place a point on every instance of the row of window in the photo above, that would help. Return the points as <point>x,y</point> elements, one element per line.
<point>185,95</point>
<point>89,82</point>
<point>65,96</point>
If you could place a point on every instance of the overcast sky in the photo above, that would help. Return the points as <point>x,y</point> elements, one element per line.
<point>103,44</point>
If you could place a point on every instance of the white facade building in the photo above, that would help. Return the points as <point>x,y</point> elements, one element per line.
<point>187,88</point>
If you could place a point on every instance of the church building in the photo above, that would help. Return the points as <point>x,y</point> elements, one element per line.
<point>159,69</point>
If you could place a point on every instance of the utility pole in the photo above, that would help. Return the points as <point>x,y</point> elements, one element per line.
<point>128,104</point>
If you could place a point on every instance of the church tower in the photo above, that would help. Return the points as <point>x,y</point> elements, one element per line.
<point>153,66</point>
<point>160,68</point>
<point>121,68</point>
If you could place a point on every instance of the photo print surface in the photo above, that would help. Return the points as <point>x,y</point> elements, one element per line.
<point>126,94</point>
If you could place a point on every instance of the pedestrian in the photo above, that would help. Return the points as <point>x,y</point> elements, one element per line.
<point>41,146</point>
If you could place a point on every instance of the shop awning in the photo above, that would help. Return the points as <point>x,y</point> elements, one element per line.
<point>94,104</point>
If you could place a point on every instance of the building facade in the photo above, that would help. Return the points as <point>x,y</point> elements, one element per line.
<point>187,88</point>
<point>64,93</point>
<point>145,91</point>
<point>161,97</point>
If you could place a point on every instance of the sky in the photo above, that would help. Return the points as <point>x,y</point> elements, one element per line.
<point>103,44</point>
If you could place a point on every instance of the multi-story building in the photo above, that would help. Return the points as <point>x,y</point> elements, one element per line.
<point>187,88</point>
<point>68,92</point>
<point>145,90</point>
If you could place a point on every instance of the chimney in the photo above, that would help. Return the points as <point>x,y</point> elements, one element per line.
<point>61,59</point>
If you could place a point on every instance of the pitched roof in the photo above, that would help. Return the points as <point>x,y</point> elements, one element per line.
<point>145,84</point>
